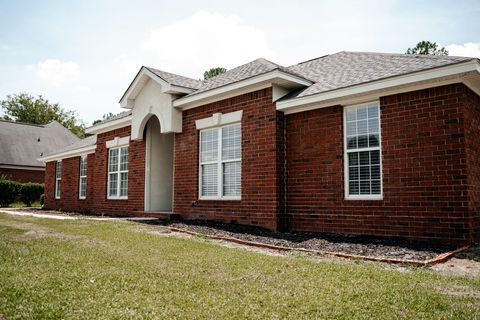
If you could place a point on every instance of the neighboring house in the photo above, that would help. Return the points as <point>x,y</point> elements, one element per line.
<point>357,143</point>
<point>22,143</point>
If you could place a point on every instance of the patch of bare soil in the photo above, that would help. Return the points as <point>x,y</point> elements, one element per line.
<point>459,291</point>
<point>356,245</point>
<point>34,231</point>
<point>458,267</point>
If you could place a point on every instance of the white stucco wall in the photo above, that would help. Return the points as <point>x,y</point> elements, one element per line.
<point>159,168</point>
<point>151,101</point>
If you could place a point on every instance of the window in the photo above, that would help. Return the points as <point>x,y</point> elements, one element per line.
<point>363,163</point>
<point>82,193</point>
<point>118,173</point>
<point>58,180</point>
<point>220,163</point>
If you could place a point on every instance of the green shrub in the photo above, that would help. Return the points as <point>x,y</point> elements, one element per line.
<point>31,192</point>
<point>42,199</point>
<point>8,192</point>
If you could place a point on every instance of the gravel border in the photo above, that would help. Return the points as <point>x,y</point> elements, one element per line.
<point>348,244</point>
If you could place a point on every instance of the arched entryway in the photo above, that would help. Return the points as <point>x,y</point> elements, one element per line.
<point>158,168</point>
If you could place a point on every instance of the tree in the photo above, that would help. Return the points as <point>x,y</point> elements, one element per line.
<point>37,110</point>
<point>213,72</point>
<point>106,116</point>
<point>427,47</point>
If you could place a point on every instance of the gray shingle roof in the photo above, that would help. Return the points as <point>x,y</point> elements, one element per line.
<point>21,144</point>
<point>118,116</point>
<point>245,71</point>
<point>345,69</point>
<point>335,71</point>
<point>177,80</point>
<point>88,141</point>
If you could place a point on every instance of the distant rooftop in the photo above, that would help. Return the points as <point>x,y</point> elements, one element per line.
<point>22,143</point>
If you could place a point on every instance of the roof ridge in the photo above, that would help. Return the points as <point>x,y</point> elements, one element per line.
<point>175,74</point>
<point>25,123</point>
<point>406,55</point>
<point>317,58</point>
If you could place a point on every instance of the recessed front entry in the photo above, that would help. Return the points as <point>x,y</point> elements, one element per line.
<point>158,168</point>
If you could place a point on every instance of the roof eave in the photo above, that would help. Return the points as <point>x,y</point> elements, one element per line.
<point>69,154</point>
<point>143,75</point>
<point>110,125</point>
<point>467,72</point>
<point>267,79</point>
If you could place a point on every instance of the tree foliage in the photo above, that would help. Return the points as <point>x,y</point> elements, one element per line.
<point>26,108</point>
<point>213,72</point>
<point>106,116</point>
<point>427,47</point>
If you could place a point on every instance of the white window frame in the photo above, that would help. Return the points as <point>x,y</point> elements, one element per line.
<point>58,179</point>
<point>118,172</point>
<point>84,159</point>
<point>219,163</point>
<point>348,196</point>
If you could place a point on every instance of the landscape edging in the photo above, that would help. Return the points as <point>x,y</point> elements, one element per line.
<point>438,259</point>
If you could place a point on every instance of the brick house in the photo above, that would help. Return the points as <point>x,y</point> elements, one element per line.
<point>22,143</point>
<point>357,143</point>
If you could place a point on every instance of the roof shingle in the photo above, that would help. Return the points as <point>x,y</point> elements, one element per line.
<point>22,143</point>
<point>345,69</point>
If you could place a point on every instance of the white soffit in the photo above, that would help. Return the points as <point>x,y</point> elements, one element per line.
<point>466,72</point>
<point>69,154</point>
<point>110,125</point>
<point>262,81</point>
<point>218,119</point>
<point>117,142</point>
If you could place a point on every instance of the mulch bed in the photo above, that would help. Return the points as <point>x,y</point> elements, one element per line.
<point>348,244</point>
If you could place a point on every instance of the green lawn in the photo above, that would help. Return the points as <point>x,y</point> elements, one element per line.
<point>84,269</point>
<point>20,204</point>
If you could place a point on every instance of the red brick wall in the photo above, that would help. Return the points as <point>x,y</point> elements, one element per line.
<point>260,165</point>
<point>96,200</point>
<point>424,170</point>
<point>69,187</point>
<point>472,137</point>
<point>22,175</point>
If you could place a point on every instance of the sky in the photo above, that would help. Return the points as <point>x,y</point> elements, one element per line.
<point>84,54</point>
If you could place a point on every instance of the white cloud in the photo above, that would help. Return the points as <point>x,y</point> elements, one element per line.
<point>469,49</point>
<point>55,72</point>
<point>204,40</point>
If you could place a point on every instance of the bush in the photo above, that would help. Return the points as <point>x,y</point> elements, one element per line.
<point>31,192</point>
<point>42,199</point>
<point>8,192</point>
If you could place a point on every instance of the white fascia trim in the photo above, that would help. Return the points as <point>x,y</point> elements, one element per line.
<point>10,166</point>
<point>218,119</point>
<point>69,154</point>
<point>244,86</point>
<point>109,126</point>
<point>422,79</point>
<point>117,142</point>
<point>127,101</point>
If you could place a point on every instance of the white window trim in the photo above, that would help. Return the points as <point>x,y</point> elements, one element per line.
<point>84,158</point>
<point>219,120</point>
<point>219,163</point>
<point>58,191</point>
<point>118,172</point>
<point>345,155</point>
<point>117,142</point>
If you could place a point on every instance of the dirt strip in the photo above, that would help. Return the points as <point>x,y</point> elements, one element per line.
<point>439,259</point>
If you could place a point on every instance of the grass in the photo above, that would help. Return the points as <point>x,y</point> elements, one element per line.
<point>20,204</point>
<point>84,269</point>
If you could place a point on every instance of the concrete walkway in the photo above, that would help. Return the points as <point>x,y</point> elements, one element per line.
<point>64,216</point>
